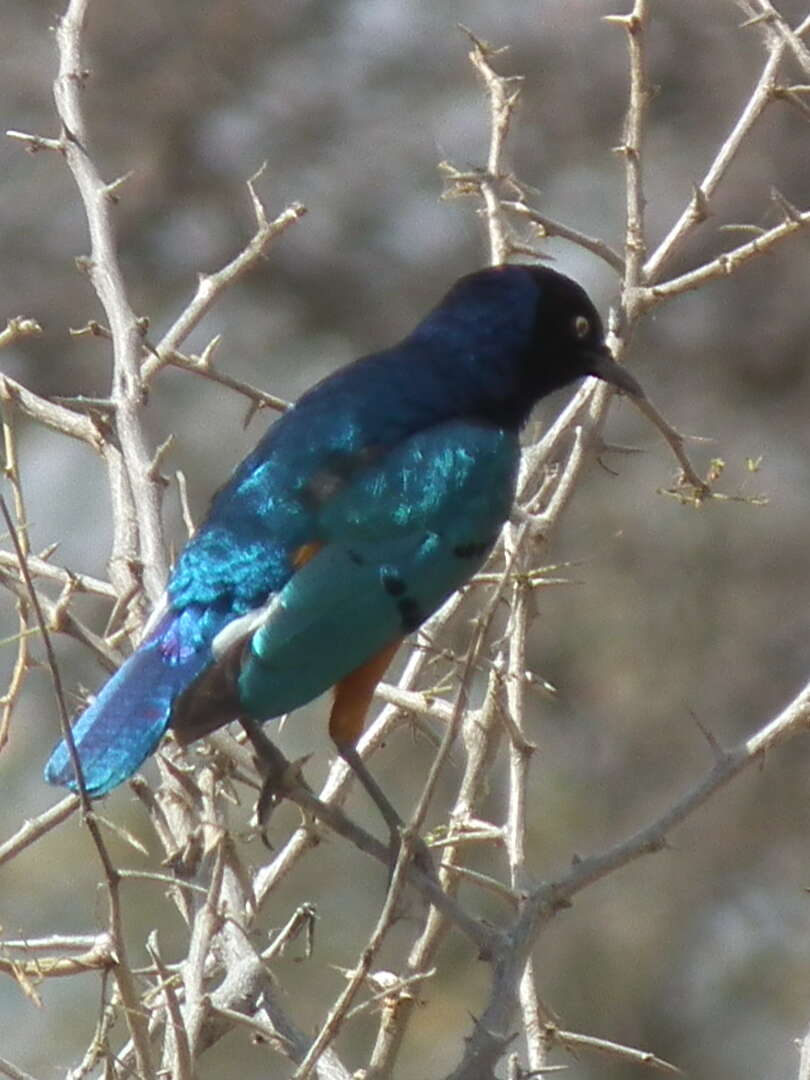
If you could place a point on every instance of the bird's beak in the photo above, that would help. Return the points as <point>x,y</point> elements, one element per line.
<point>603,366</point>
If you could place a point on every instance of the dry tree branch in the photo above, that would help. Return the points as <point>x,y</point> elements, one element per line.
<point>122,973</point>
<point>59,618</point>
<point>33,830</point>
<point>12,1072</point>
<point>511,974</point>
<point>503,95</point>
<point>762,12</point>
<point>545,902</point>
<point>571,1040</point>
<point>223,983</point>
<point>635,244</point>
<point>211,286</point>
<point>548,227</point>
<point>203,367</point>
<point>11,469</point>
<point>360,974</point>
<point>41,568</point>
<point>726,263</point>
<point>50,415</point>
<point>698,207</point>
<point>136,495</point>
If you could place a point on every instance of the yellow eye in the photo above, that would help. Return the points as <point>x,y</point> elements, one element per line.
<point>582,327</point>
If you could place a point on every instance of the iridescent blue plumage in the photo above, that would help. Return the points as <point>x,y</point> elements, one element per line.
<point>357,514</point>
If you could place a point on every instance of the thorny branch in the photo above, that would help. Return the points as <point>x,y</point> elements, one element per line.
<point>223,982</point>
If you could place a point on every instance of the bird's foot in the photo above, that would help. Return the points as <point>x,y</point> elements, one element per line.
<point>280,777</point>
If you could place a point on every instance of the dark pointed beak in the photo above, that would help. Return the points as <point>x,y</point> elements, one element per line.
<point>603,366</point>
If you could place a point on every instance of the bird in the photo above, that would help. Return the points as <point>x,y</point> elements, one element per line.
<point>360,511</point>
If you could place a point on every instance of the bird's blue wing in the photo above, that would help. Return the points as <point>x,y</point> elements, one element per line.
<point>397,541</point>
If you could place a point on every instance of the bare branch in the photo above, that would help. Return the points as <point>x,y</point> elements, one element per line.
<point>725,264</point>
<point>105,273</point>
<point>573,1041</point>
<point>767,13</point>
<point>56,417</point>
<point>31,831</point>
<point>12,1072</point>
<point>211,286</point>
<point>635,239</point>
<point>548,227</point>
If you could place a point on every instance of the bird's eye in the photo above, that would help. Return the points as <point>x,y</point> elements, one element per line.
<point>582,327</point>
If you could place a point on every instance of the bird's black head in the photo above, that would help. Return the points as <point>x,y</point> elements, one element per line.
<point>568,339</point>
<point>523,332</point>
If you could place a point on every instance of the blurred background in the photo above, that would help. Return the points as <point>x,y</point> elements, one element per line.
<point>677,618</point>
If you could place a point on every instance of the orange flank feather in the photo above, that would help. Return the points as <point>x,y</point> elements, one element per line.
<point>301,556</point>
<point>353,696</point>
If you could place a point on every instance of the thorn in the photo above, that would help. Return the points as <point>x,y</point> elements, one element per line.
<point>80,77</point>
<point>755,20</point>
<point>160,453</point>
<point>717,750</point>
<point>93,328</point>
<point>206,356</point>
<point>34,143</point>
<point>700,204</point>
<point>757,230</point>
<point>83,402</point>
<point>631,23</point>
<point>258,206</point>
<point>606,468</point>
<point>619,448</point>
<point>111,189</point>
<point>482,47</point>
<point>790,212</point>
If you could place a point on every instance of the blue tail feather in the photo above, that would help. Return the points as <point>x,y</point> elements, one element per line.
<point>125,722</point>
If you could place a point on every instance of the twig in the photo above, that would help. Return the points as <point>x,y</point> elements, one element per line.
<point>675,441</point>
<point>61,620</point>
<point>12,1072</point>
<point>804,1057</point>
<point>723,265</point>
<point>698,208</point>
<point>135,495</point>
<point>41,568</point>
<point>342,1005</point>
<point>178,1056</point>
<point>101,957</point>
<point>32,830</point>
<point>635,239</point>
<point>203,367</point>
<point>503,94</point>
<point>11,470</point>
<point>573,1041</point>
<point>211,286</point>
<point>123,976</point>
<point>776,21</point>
<point>487,1038</point>
<point>548,227</point>
<point>56,417</point>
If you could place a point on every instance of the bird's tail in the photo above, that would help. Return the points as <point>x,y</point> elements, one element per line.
<point>124,724</point>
